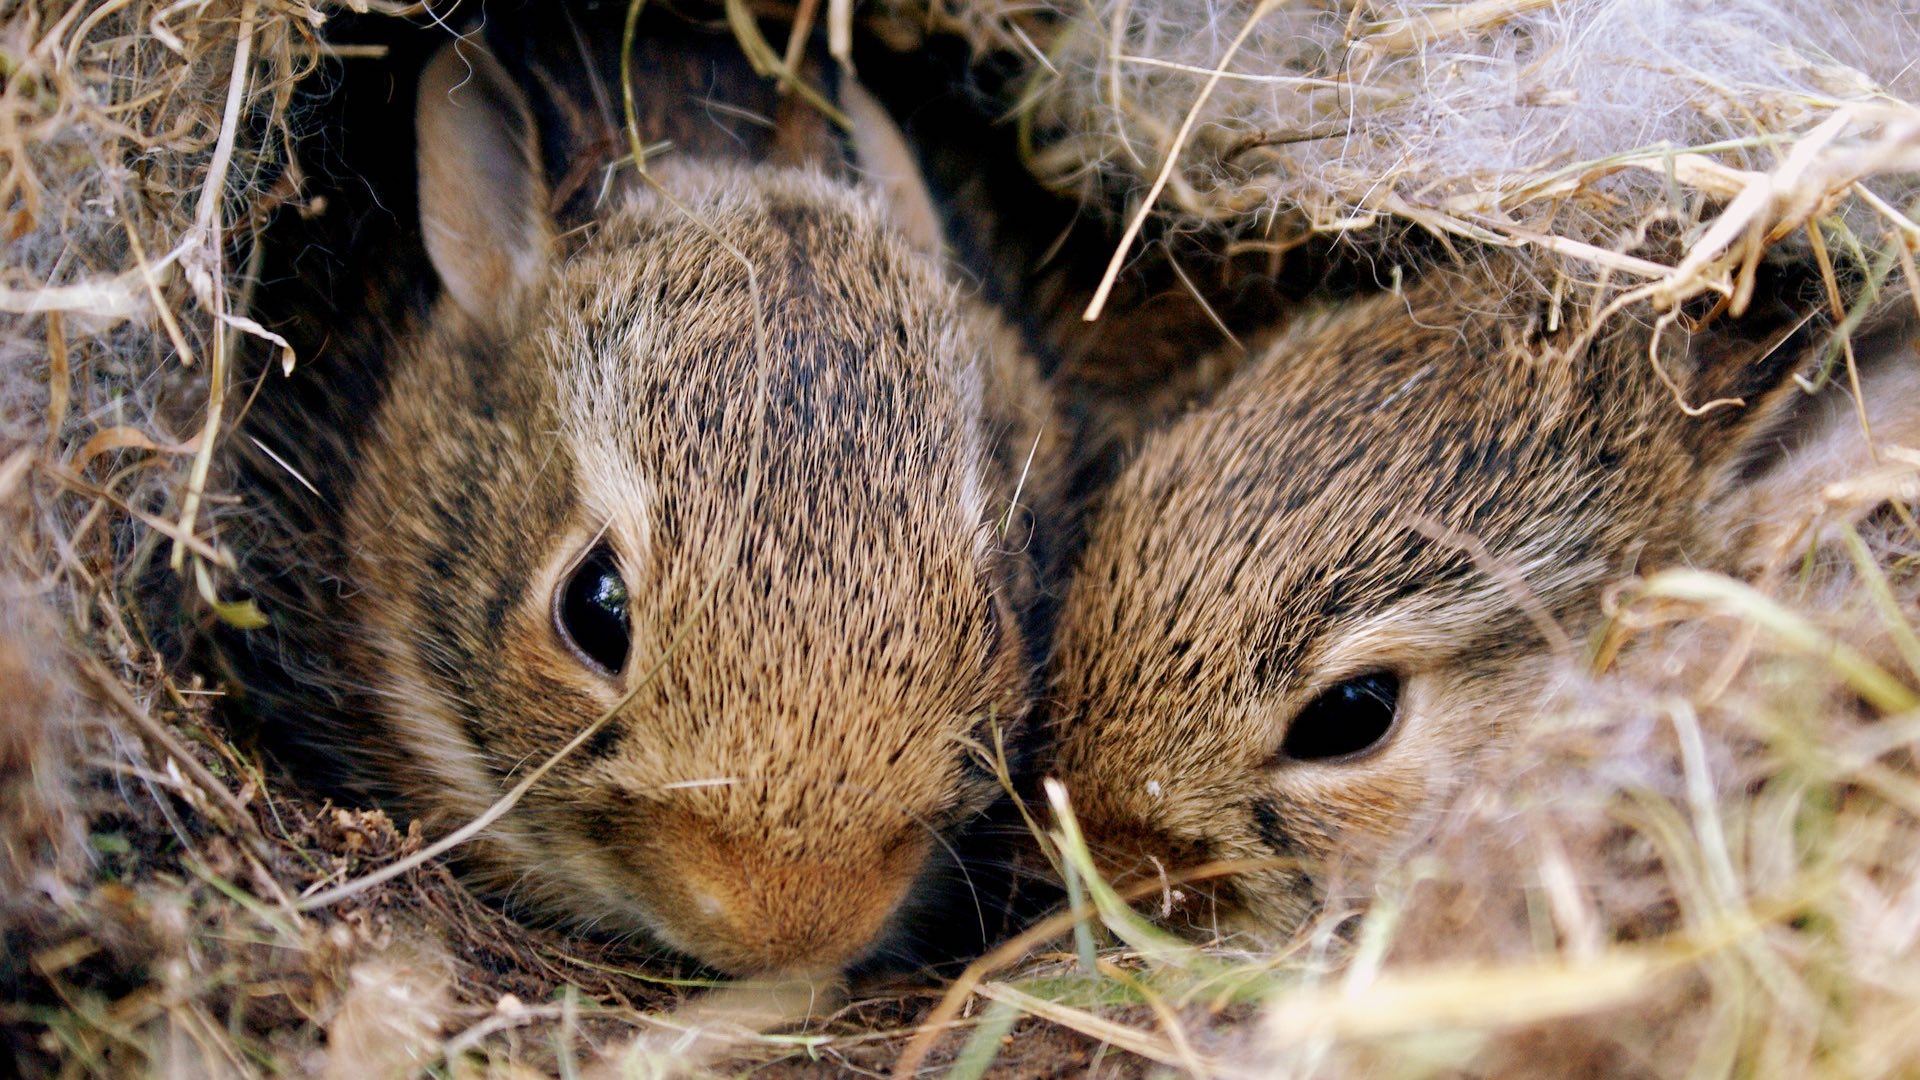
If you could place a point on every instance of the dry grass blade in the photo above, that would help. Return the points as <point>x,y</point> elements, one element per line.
<point>1409,33</point>
<point>111,300</point>
<point>1177,1041</point>
<point>711,1029</point>
<point>1170,160</point>
<point>1130,1039</point>
<point>1743,602</point>
<point>760,52</point>
<point>237,815</point>
<point>211,284</point>
<point>1409,1002</point>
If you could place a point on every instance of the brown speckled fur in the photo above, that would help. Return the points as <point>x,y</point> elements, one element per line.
<point>785,786</point>
<point>1416,483</point>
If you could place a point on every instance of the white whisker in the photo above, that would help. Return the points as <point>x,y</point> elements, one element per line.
<point>718,781</point>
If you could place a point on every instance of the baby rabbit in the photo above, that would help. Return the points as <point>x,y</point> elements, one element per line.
<point>1305,607</point>
<point>766,516</point>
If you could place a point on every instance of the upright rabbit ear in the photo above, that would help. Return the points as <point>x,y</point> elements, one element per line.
<point>1741,372</point>
<point>483,201</point>
<point>883,155</point>
<point>1814,445</point>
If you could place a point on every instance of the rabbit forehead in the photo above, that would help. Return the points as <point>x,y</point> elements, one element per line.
<point>772,312</point>
<point>822,409</point>
<point>1381,470</point>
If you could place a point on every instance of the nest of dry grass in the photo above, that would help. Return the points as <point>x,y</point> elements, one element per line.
<point>1661,144</point>
<point>1706,864</point>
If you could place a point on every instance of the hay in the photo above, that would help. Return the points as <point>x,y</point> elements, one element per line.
<point>125,179</point>
<point>1571,129</point>
<point>1705,866</point>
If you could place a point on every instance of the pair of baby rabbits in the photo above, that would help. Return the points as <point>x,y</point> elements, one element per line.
<point>740,481</point>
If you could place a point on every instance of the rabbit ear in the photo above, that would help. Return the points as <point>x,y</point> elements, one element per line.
<point>1741,372</point>
<point>884,156</point>
<point>1816,458</point>
<point>483,201</point>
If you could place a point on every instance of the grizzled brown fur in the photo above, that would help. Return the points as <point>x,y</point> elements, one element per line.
<point>784,789</point>
<point>1432,484</point>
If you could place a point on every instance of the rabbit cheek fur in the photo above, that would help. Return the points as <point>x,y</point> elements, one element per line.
<point>775,793</point>
<point>1416,485</point>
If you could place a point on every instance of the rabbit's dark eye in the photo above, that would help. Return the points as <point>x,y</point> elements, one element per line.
<point>1347,719</point>
<point>591,612</point>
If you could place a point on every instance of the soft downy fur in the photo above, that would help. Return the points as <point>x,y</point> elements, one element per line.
<point>1437,485</point>
<point>832,578</point>
<point>1390,109</point>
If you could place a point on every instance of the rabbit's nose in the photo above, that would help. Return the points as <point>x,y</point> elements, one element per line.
<point>747,910</point>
